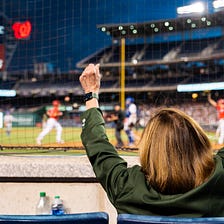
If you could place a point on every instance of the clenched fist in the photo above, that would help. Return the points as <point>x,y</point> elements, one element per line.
<point>90,79</point>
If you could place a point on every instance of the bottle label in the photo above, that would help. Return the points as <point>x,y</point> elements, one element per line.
<point>58,210</point>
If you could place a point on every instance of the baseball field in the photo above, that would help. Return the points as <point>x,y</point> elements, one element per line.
<point>23,140</point>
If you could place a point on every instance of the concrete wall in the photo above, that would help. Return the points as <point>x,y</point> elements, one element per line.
<point>18,197</point>
<point>22,198</point>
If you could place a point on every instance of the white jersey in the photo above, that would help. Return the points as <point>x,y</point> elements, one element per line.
<point>132,113</point>
<point>8,119</point>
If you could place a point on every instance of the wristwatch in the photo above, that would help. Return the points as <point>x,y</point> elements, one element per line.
<point>90,95</point>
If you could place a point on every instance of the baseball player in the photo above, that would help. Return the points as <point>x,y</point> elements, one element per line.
<point>131,119</point>
<point>52,122</point>
<point>219,105</point>
<point>8,119</point>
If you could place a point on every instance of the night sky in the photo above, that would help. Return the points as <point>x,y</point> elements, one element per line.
<point>64,31</point>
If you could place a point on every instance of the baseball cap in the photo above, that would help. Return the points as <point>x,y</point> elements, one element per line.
<point>56,103</point>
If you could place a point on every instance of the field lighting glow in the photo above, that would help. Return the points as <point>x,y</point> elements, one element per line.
<point>197,7</point>
<point>7,93</point>
<point>200,87</point>
<point>218,4</point>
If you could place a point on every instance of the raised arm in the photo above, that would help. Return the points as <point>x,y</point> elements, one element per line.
<point>110,169</point>
<point>211,101</point>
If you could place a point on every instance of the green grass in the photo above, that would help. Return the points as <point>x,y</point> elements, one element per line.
<point>28,135</point>
<point>22,140</point>
<point>25,140</point>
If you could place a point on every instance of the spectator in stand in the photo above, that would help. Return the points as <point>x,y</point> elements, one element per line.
<point>219,105</point>
<point>178,176</point>
<point>52,122</point>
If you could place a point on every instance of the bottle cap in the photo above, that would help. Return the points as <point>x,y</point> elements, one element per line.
<point>57,196</point>
<point>42,194</point>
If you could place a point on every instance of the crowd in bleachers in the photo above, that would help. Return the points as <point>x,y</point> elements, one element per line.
<point>137,79</point>
<point>203,113</point>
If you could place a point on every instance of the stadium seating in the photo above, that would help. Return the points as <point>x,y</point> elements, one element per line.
<point>79,218</point>
<point>142,219</point>
<point>7,84</point>
<point>156,51</point>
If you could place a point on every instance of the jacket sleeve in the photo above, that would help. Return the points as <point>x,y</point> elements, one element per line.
<point>221,154</point>
<point>110,169</point>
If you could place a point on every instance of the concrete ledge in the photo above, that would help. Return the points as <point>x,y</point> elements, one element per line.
<point>55,167</point>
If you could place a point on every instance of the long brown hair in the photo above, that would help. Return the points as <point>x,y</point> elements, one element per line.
<point>175,153</point>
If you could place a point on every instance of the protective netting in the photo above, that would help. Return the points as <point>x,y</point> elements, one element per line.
<point>44,46</point>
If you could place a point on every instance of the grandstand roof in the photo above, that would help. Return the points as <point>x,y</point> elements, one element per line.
<point>181,24</point>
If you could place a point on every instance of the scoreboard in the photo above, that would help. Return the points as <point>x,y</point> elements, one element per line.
<point>10,33</point>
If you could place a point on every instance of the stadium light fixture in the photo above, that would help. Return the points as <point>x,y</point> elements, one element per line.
<point>218,4</point>
<point>135,61</point>
<point>209,23</point>
<point>189,21</point>
<point>197,7</point>
<point>200,87</point>
<point>152,25</point>
<point>120,28</point>
<point>103,29</point>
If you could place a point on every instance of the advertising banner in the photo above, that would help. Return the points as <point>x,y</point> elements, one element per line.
<point>24,120</point>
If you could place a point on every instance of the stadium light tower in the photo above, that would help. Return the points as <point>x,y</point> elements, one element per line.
<point>122,77</point>
<point>195,8</point>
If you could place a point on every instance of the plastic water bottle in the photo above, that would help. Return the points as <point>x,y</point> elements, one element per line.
<point>43,207</point>
<point>57,207</point>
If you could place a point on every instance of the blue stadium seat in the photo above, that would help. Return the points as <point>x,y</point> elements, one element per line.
<point>143,219</point>
<point>79,218</point>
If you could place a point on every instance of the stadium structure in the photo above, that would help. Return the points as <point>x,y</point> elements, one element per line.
<point>159,57</point>
<point>157,63</point>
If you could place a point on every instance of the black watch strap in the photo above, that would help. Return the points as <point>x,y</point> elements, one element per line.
<point>90,95</point>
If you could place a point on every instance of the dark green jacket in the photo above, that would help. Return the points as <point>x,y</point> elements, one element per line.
<point>128,189</point>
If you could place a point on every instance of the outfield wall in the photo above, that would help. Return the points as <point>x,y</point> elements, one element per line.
<point>71,177</point>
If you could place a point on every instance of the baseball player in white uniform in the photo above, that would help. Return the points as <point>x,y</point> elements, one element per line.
<point>8,119</point>
<point>131,119</point>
